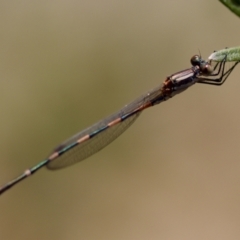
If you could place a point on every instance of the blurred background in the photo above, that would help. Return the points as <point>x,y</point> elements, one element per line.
<point>175,174</point>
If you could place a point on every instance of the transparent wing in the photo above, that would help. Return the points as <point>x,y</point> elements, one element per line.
<point>92,145</point>
<point>101,137</point>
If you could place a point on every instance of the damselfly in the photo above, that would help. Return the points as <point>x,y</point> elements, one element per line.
<point>99,135</point>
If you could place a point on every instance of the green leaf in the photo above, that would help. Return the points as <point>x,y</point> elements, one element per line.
<point>233,5</point>
<point>229,54</point>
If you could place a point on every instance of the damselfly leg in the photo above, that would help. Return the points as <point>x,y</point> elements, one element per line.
<point>219,77</point>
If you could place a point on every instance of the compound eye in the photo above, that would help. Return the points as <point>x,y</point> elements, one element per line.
<point>206,69</point>
<point>196,60</point>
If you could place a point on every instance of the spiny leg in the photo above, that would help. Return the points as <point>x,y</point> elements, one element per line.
<point>218,81</point>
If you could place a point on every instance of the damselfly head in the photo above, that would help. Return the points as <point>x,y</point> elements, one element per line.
<point>206,68</point>
<point>196,60</point>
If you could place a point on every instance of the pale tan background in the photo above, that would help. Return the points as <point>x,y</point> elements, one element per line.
<point>175,174</point>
